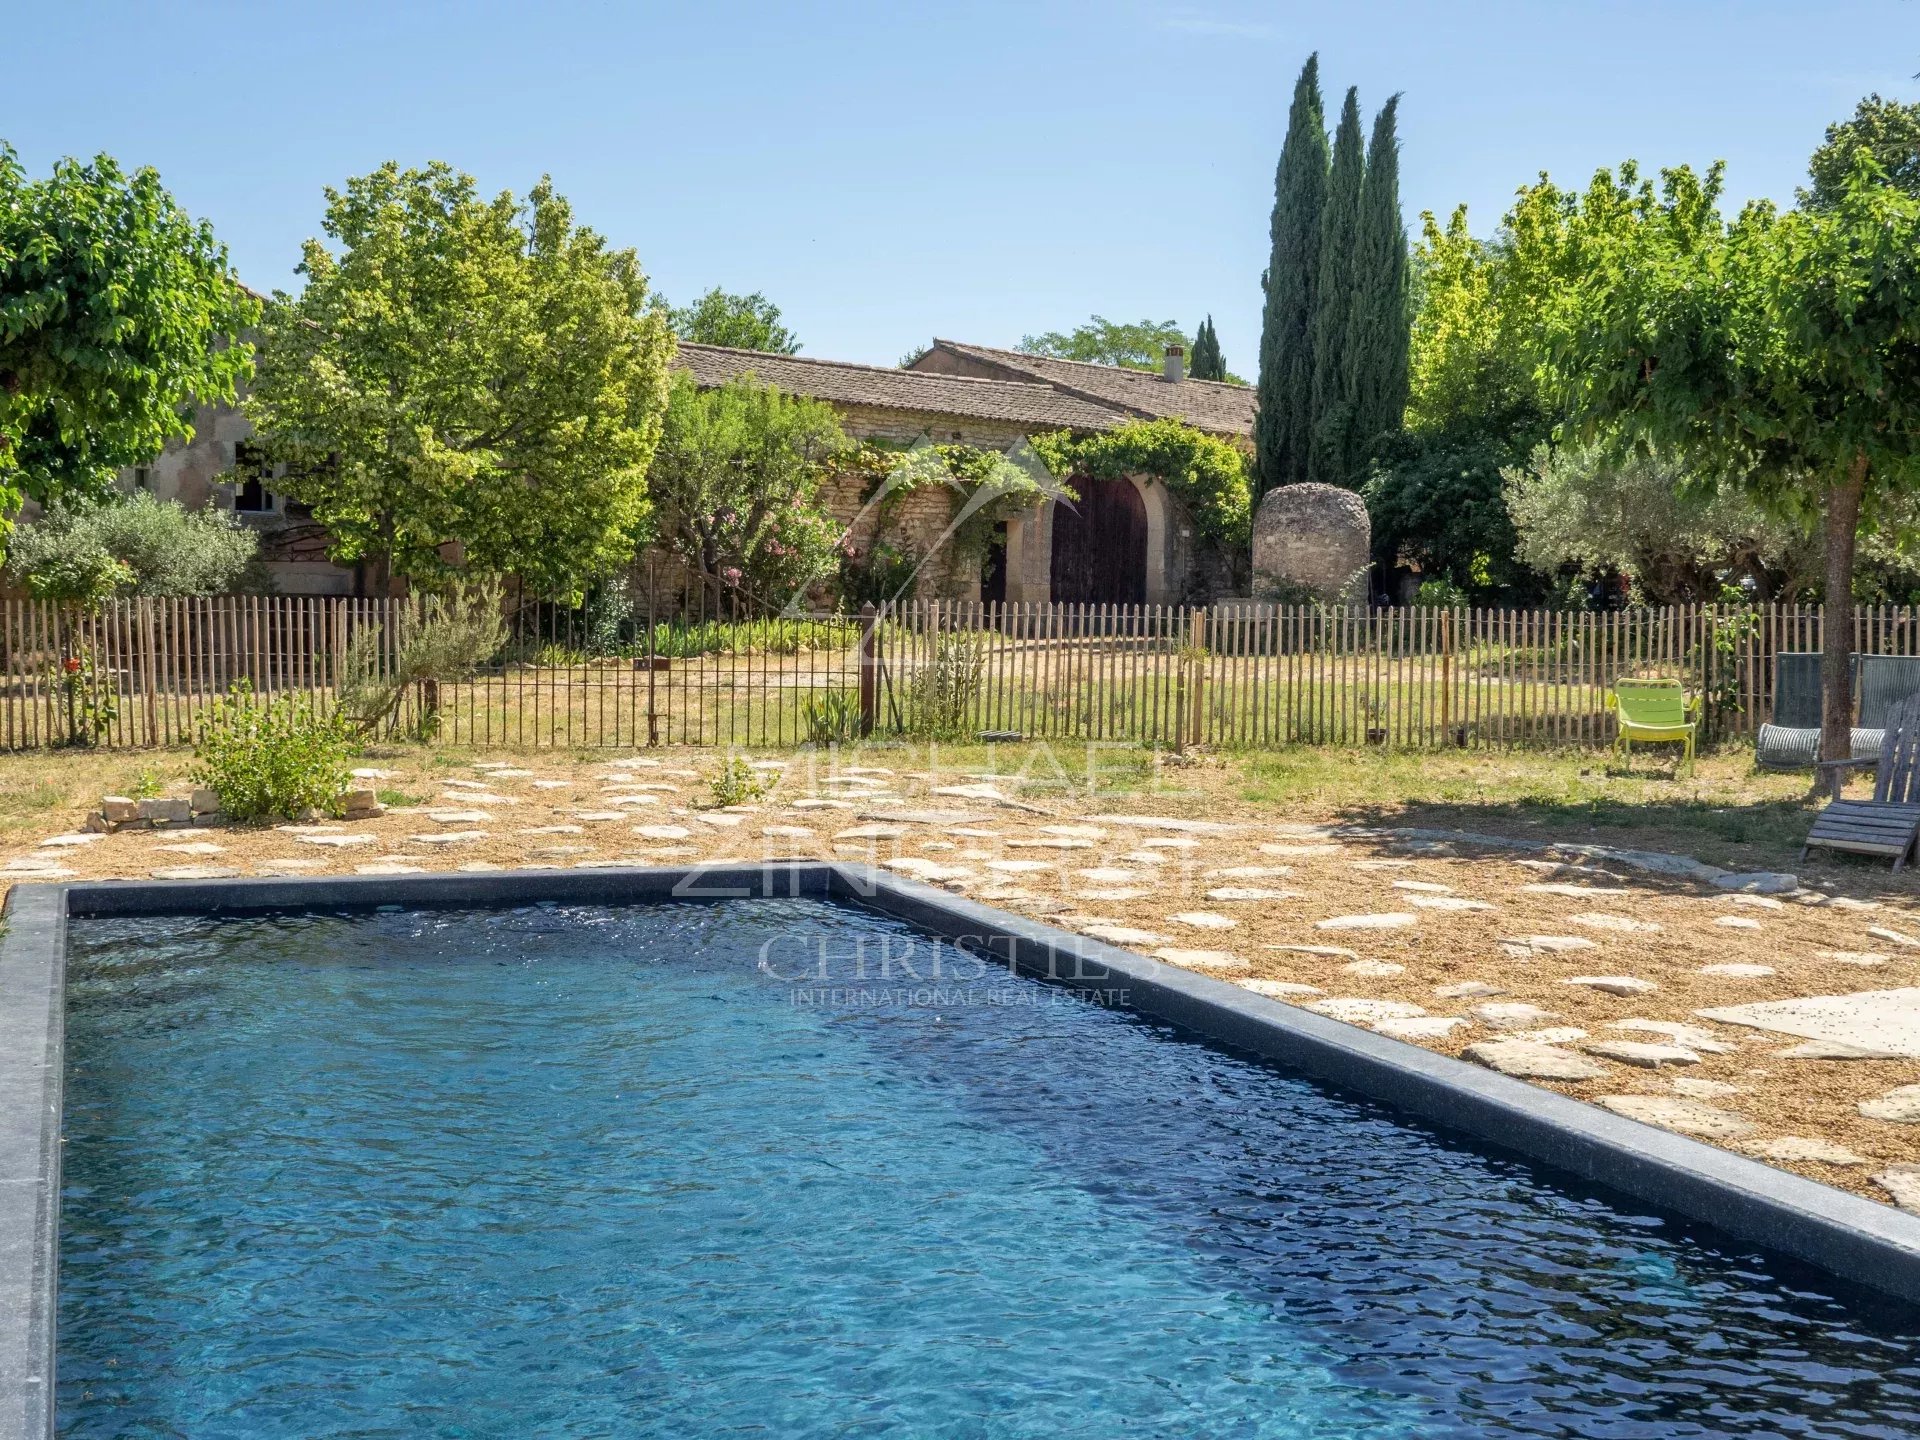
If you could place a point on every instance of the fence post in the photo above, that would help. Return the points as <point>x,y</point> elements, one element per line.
<point>1198,659</point>
<point>869,668</point>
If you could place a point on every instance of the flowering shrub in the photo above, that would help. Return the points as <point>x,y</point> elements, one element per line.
<point>89,709</point>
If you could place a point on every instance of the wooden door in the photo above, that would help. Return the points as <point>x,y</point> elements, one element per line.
<point>1100,545</point>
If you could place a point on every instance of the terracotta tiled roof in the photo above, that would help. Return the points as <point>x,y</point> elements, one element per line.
<point>1205,404</point>
<point>1021,402</point>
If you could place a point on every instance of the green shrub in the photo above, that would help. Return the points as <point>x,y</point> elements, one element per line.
<point>942,694</point>
<point>832,718</point>
<point>271,759</point>
<point>738,783</point>
<point>140,546</point>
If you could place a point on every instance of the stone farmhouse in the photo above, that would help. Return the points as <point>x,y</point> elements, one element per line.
<point>1125,541</point>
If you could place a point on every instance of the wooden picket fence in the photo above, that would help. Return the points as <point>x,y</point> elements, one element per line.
<point>142,672</point>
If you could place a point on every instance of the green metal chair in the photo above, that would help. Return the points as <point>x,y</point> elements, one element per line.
<point>1654,712</point>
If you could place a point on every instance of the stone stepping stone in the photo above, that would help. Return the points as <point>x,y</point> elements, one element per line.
<point>681,773</point>
<point>1552,1035</point>
<point>1146,857</point>
<point>1739,970</point>
<point>717,820</point>
<point>195,872</point>
<point>1204,920</point>
<point>1894,937</point>
<point>309,829</point>
<point>34,864</point>
<point>541,785</point>
<point>1051,842</point>
<point>1280,989</point>
<point>1200,959</point>
<point>1446,902</point>
<point>1642,1053</point>
<point>1251,872</point>
<point>1613,984</point>
<point>369,773</point>
<point>1356,1010</point>
<point>973,834</point>
<point>628,802</point>
<point>668,832</point>
<point>1900,1106</point>
<point>620,862</point>
<point>555,829</point>
<point>450,837</point>
<point>1112,875</point>
<point>868,832</point>
<point>1694,1087</point>
<point>1693,1037</point>
<point>1300,852</point>
<point>194,847</point>
<point>1574,892</point>
<point>1373,969</point>
<point>943,818</point>
<point>470,797</point>
<point>1675,1112</point>
<point>1531,1060</point>
<point>1423,887</point>
<point>633,762</point>
<point>652,787</point>
<point>1863,958</point>
<point>458,817</point>
<point>479,785</point>
<point>69,842</point>
<point>1833,1050</point>
<point>1381,864</point>
<point>388,867</point>
<point>1122,934</point>
<point>1511,1014</point>
<point>1468,990</point>
<point>1869,1020</point>
<point>1798,1149</point>
<point>1554,944</point>
<point>865,770</point>
<point>1563,867</point>
<point>1737,922</point>
<point>491,765</point>
<point>1162,822</point>
<point>1902,1182</point>
<point>1325,952</point>
<point>507,772</point>
<point>1021,867</point>
<point>1083,832</point>
<point>772,832</point>
<point>1418,1027</point>
<point>1122,894</point>
<point>1599,920</point>
<point>1249,893</point>
<point>1169,842</point>
<point>818,804</point>
<point>1391,920</point>
<point>289,867</point>
<point>1757,902</point>
<point>929,869</point>
<point>336,841</point>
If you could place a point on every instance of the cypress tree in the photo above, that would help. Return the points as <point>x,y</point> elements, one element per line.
<point>1208,363</point>
<point>1383,318</point>
<point>1282,429</point>
<point>1333,459</point>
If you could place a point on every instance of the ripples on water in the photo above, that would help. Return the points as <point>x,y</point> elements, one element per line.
<point>571,1172</point>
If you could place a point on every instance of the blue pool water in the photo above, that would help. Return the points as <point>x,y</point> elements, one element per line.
<point>585,1172</point>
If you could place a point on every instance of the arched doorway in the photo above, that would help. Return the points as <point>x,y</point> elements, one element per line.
<point>1100,545</point>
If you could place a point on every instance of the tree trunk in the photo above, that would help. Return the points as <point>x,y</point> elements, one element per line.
<point>1836,635</point>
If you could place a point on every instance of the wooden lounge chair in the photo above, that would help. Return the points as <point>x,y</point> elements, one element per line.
<point>1889,823</point>
<point>1654,712</point>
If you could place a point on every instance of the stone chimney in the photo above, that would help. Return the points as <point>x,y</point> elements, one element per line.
<point>1176,363</point>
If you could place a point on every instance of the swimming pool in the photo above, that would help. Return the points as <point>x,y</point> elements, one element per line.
<point>694,1170</point>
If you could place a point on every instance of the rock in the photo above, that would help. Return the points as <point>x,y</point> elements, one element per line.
<point>1250,872</point>
<point>772,832</point>
<point>1418,1027</point>
<point>289,867</point>
<point>1758,902</point>
<point>1311,541</point>
<point>367,812</point>
<point>1901,1106</point>
<point>1300,851</point>
<point>450,837</point>
<point>1695,1087</point>
<point>1113,875</point>
<point>1833,1050</point>
<point>1468,990</point>
<point>1161,822</point>
<point>1575,892</point>
<point>554,830</point>
<point>1446,902</point>
<point>1902,1182</point>
<point>362,799</point>
<point>1249,893</point>
<point>459,817</point>
<point>1868,1019</point>
<point>1051,842</point>
<point>1757,882</point>
<point>1552,1035</point>
<point>1737,922</point>
<point>1200,959</point>
<point>1423,887</point>
<point>478,867</point>
<point>1736,970</point>
<point>166,810</point>
<point>1693,1037</point>
<point>1392,920</point>
<point>1078,832</point>
<point>1613,984</point>
<point>1688,1117</point>
<point>1170,842</point>
<point>822,804</point>
<point>1204,920</point>
<point>1558,944</point>
<point>1281,989</point>
<point>1894,937</point>
<point>68,842</point>
<point>714,818</point>
<point>538,785</point>
<point>1598,920</point>
<point>1145,857</point>
<point>1530,1060</point>
<point>1511,1014</point>
<point>869,832</point>
<point>43,872</point>
<point>1641,1053</point>
<point>1375,864</point>
<point>931,870</point>
<point>1115,894</point>
<point>1021,867</point>
<point>1796,1149</point>
<point>1373,969</point>
<point>1122,934</point>
<point>1359,1011</point>
<point>622,802</point>
<point>195,872</point>
<point>388,867</point>
<point>943,818</point>
<point>1325,952</point>
<point>193,847</point>
<point>98,825</point>
<point>1865,959</point>
<point>119,808</point>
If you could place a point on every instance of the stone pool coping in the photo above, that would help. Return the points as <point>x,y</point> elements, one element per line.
<point>1864,1243</point>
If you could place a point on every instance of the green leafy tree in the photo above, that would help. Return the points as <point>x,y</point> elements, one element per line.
<point>746,322</point>
<point>1283,424</point>
<point>140,546</point>
<point>1782,350</point>
<point>1141,345</point>
<point>1885,130</point>
<point>1206,362</point>
<point>1381,312</point>
<point>117,313</point>
<point>1335,455</point>
<point>736,488</point>
<point>465,384</point>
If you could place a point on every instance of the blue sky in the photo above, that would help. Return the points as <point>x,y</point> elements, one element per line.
<point>889,171</point>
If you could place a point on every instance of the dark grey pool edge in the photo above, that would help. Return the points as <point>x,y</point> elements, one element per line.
<point>1867,1244</point>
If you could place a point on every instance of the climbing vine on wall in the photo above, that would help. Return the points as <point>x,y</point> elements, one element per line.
<point>988,486</point>
<point>1209,475</point>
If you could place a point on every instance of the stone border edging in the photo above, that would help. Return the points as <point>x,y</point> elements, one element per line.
<point>1867,1244</point>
